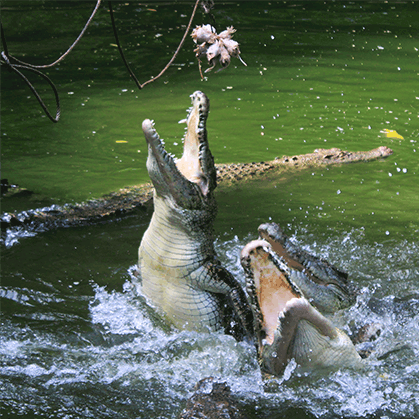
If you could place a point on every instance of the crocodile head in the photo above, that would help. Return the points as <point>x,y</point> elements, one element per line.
<point>278,271</point>
<point>287,325</point>
<point>325,286</point>
<point>189,181</point>
<point>269,286</point>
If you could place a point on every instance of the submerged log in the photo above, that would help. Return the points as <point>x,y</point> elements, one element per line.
<point>127,200</point>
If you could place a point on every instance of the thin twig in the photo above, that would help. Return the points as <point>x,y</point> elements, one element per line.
<point>69,49</point>
<point>141,85</point>
<point>36,94</point>
<point>6,60</point>
<point>178,48</point>
<point>14,67</point>
<point>131,73</point>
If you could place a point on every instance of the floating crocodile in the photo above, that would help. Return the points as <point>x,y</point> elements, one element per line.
<point>177,263</point>
<point>129,199</point>
<point>287,287</point>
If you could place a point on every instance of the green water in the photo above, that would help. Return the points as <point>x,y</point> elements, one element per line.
<point>327,86</point>
<point>75,341</point>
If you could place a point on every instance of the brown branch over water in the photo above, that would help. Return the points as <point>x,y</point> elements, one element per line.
<point>131,73</point>
<point>13,63</point>
<point>129,199</point>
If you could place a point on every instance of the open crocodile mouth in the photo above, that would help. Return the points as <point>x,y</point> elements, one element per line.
<point>268,284</point>
<point>193,175</point>
<point>316,270</point>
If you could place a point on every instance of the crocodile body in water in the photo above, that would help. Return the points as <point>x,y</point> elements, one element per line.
<point>177,263</point>
<point>130,199</point>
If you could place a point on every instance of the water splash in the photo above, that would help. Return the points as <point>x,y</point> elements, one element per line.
<point>23,224</point>
<point>389,385</point>
<point>125,354</point>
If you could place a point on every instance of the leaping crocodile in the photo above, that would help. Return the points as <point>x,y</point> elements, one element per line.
<point>180,272</point>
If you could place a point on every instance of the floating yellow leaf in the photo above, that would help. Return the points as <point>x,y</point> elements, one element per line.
<point>390,133</point>
<point>121,141</point>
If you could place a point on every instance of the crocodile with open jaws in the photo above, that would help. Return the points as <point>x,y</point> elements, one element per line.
<point>177,263</point>
<point>288,288</point>
<point>182,277</point>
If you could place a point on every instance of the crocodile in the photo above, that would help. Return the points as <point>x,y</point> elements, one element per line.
<point>323,284</point>
<point>287,288</point>
<point>179,269</point>
<point>128,200</point>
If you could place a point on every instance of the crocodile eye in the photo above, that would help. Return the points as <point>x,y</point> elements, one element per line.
<point>338,291</point>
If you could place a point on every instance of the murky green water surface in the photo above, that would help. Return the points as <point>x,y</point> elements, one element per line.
<point>76,341</point>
